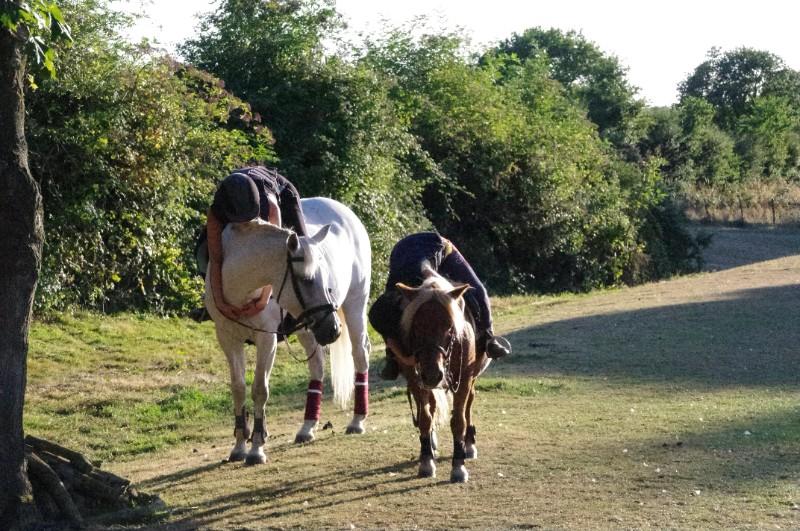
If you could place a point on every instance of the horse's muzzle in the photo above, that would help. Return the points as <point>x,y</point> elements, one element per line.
<point>327,328</point>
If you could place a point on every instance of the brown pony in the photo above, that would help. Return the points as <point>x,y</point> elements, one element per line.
<point>439,356</point>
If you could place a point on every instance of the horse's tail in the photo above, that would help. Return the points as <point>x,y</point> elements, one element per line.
<point>340,353</point>
<point>442,415</point>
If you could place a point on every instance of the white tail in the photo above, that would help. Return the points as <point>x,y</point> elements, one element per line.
<point>442,415</point>
<point>340,353</point>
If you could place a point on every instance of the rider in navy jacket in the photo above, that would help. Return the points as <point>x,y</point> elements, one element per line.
<point>405,265</point>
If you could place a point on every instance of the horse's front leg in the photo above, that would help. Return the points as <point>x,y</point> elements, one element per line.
<point>266,344</point>
<point>355,314</point>
<point>316,368</point>
<point>458,424</point>
<point>425,409</point>
<point>234,352</point>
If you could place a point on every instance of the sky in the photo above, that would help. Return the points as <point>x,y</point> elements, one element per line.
<point>660,42</point>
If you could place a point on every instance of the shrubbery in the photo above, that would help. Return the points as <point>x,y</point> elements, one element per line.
<point>498,153</point>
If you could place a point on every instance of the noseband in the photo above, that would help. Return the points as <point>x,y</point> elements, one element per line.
<point>305,317</point>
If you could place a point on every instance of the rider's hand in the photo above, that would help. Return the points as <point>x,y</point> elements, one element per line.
<point>252,308</point>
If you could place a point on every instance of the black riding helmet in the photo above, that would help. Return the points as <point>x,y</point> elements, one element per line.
<point>237,198</point>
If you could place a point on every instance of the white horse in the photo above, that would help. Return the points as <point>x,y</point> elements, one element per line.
<point>317,279</point>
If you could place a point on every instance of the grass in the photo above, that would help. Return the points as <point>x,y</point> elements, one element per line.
<point>669,405</point>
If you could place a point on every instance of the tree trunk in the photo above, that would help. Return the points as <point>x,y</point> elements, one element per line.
<point>21,236</point>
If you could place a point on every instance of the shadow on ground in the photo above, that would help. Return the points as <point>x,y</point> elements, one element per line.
<point>745,339</point>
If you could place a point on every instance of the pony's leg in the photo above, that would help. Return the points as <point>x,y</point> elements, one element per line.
<point>458,424</point>
<point>355,314</point>
<point>234,352</point>
<point>425,408</point>
<point>471,451</point>
<point>266,345</point>
<point>316,364</point>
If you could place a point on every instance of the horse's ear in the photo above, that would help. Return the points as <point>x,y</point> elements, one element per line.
<point>321,233</point>
<point>459,291</point>
<point>293,243</point>
<point>408,292</point>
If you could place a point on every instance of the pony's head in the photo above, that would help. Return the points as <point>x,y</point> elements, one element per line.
<point>433,326</point>
<point>310,295</point>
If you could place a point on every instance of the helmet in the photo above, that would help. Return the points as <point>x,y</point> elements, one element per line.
<point>237,198</point>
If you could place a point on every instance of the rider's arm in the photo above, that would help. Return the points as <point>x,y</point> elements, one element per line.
<point>214,228</point>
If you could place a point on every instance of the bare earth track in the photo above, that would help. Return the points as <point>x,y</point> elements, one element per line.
<point>668,405</point>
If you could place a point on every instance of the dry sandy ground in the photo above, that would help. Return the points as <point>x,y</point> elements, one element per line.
<point>668,405</point>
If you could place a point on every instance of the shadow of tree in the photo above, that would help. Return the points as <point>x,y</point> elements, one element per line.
<point>744,339</point>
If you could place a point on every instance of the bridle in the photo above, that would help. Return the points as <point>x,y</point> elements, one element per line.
<point>304,319</point>
<point>453,384</point>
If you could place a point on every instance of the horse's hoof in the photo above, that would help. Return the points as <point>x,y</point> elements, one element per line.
<point>301,438</point>
<point>427,469</point>
<point>459,475</point>
<point>237,455</point>
<point>471,452</point>
<point>357,430</point>
<point>256,459</point>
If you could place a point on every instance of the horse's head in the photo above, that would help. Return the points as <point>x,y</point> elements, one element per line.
<point>433,327</point>
<point>310,295</point>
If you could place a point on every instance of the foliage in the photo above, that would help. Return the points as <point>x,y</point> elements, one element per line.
<point>527,189</point>
<point>591,77</point>
<point>127,147</point>
<point>41,24</point>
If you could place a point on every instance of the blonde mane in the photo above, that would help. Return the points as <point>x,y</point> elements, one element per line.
<point>434,288</point>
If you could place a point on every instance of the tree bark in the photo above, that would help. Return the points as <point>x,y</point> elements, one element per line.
<point>21,237</point>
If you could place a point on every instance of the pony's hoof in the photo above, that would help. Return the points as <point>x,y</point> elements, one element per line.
<point>471,451</point>
<point>301,438</point>
<point>459,475</point>
<point>256,459</point>
<point>427,469</point>
<point>237,455</point>
<point>357,430</point>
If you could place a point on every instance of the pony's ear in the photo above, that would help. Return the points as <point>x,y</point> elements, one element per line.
<point>408,292</point>
<point>321,233</point>
<point>293,243</point>
<point>459,291</point>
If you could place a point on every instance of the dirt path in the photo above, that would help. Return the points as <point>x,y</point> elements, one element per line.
<point>668,405</point>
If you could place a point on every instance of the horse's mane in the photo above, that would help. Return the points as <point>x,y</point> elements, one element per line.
<point>259,227</point>
<point>434,288</point>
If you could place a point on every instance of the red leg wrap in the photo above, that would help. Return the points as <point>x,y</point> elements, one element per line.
<point>313,400</point>
<point>362,394</point>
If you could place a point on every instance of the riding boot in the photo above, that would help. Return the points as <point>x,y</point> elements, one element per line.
<point>494,346</point>
<point>391,369</point>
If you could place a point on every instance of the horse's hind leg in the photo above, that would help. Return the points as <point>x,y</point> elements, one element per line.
<point>471,451</point>
<point>355,314</point>
<point>234,352</point>
<point>316,368</point>
<point>265,357</point>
